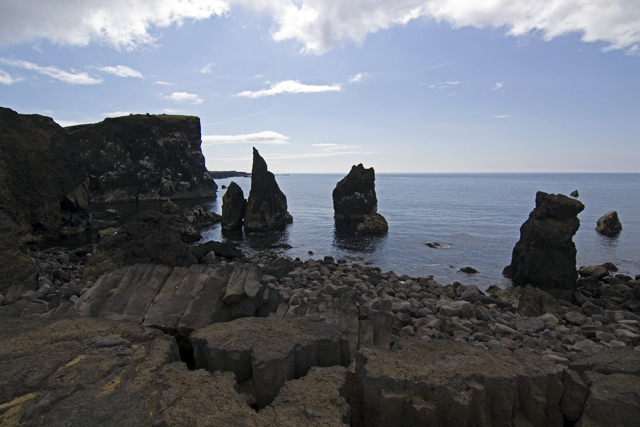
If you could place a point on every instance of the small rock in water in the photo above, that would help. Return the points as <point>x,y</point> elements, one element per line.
<point>468,270</point>
<point>434,245</point>
<point>575,194</point>
<point>609,224</point>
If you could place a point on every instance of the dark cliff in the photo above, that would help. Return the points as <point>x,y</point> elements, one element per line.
<point>144,157</point>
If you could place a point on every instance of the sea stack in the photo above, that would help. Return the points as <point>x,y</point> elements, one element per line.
<point>267,205</point>
<point>545,255</point>
<point>233,206</point>
<point>355,195</point>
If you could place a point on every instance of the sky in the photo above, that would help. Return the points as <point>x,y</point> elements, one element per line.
<point>320,85</point>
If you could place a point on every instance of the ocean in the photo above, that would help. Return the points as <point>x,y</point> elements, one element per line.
<point>476,219</point>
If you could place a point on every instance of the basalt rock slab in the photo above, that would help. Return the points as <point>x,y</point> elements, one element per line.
<point>373,224</point>
<point>144,157</point>
<point>609,224</point>
<point>149,238</point>
<point>318,399</point>
<point>269,351</point>
<point>355,195</point>
<point>449,383</point>
<point>94,372</point>
<point>545,255</point>
<point>233,207</point>
<point>267,205</point>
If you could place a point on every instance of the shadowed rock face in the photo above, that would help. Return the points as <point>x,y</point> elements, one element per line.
<point>609,224</point>
<point>144,157</point>
<point>233,207</point>
<point>267,205</point>
<point>545,255</point>
<point>355,195</point>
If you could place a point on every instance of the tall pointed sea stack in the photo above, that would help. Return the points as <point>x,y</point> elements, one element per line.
<point>267,205</point>
<point>355,195</point>
<point>545,255</point>
<point>233,206</point>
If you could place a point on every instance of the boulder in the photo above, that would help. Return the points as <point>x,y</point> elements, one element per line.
<point>170,208</point>
<point>575,193</point>
<point>373,224</point>
<point>267,205</point>
<point>233,207</point>
<point>609,224</point>
<point>91,372</point>
<point>355,195</point>
<point>445,383</point>
<point>144,157</point>
<point>535,302</point>
<point>545,255</point>
<point>147,238</point>
<point>225,250</point>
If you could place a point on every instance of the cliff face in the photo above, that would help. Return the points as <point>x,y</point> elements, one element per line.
<point>43,190</point>
<point>144,157</point>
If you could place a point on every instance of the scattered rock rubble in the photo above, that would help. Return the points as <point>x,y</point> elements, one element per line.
<point>508,356</point>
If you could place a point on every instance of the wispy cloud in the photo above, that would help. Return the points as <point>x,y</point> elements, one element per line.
<point>235,119</point>
<point>357,78</point>
<point>444,85</point>
<point>71,77</point>
<point>207,69</point>
<point>180,97</point>
<point>292,156</point>
<point>117,114</point>
<point>266,137</point>
<point>161,83</point>
<point>501,117</point>
<point>334,148</point>
<point>170,111</point>
<point>8,79</point>
<point>121,71</point>
<point>290,86</point>
<point>498,86</point>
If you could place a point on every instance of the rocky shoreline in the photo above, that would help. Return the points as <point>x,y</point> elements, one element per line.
<point>375,316</point>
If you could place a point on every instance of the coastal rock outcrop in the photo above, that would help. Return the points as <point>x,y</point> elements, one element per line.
<point>355,195</point>
<point>267,205</point>
<point>147,238</point>
<point>233,207</point>
<point>609,224</point>
<point>373,224</point>
<point>545,255</point>
<point>144,157</point>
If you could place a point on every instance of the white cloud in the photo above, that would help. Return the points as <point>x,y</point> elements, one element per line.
<point>498,86</point>
<point>180,97</point>
<point>170,111</point>
<point>501,117</point>
<point>290,86</point>
<point>207,69</point>
<point>161,83</point>
<point>443,85</point>
<point>357,78</point>
<point>319,25</point>
<point>121,71</point>
<point>121,24</point>
<point>73,77</point>
<point>334,148</point>
<point>116,114</point>
<point>8,79</point>
<point>266,137</point>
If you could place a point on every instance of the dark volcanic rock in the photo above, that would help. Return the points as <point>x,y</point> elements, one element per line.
<point>545,255</point>
<point>609,224</point>
<point>148,238</point>
<point>355,195</point>
<point>144,157</point>
<point>373,224</point>
<point>574,193</point>
<point>233,207</point>
<point>267,205</point>
<point>225,250</point>
<point>42,178</point>
<point>90,372</point>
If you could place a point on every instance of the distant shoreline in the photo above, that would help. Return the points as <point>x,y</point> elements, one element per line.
<point>228,174</point>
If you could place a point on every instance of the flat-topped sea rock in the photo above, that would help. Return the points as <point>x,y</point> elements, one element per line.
<point>355,195</point>
<point>545,255</point>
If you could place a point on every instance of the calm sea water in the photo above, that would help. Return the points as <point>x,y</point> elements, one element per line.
<point>475,217</point>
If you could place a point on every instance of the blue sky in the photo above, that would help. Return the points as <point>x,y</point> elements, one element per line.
<point>320,85</point>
